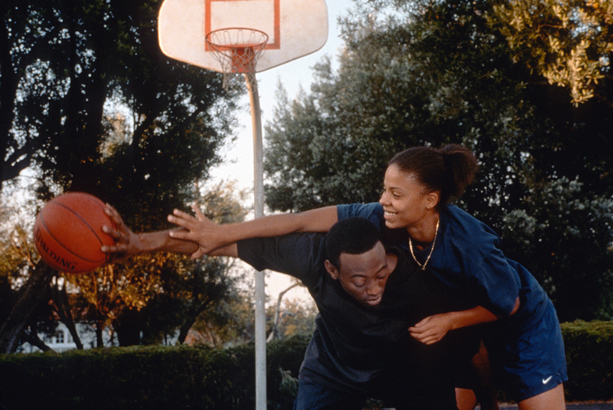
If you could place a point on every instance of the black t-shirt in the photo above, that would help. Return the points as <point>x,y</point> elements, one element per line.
<point>354,344</point>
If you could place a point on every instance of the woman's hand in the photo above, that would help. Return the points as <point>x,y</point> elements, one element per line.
<point>432,329</point>
<point>198,229</point>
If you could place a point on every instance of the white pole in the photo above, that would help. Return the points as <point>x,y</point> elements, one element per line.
<point>260,294</point>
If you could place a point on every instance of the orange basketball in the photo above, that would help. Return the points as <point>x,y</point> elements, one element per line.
<point>68,232</point>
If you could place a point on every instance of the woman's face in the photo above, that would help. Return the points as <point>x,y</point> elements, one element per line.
<point>404,200</point>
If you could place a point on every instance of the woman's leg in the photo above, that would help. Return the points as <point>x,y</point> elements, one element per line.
<point>550,400</point>
<point>533,366</point>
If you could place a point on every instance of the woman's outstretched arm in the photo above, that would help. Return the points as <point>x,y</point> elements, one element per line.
<point>210,236</point>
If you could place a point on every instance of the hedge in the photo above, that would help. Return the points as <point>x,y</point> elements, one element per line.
<point>589,356</point>
<point>152,377</point>
<point>183,377</point>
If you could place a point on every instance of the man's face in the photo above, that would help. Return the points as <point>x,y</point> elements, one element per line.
<point>363,276</point>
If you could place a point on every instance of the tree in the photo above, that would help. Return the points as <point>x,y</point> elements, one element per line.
<point>431,73</point>
<point>146,299</point>
<point>278,315</point>
<point>567,245</point>
<point>231,322</point>
<point>390,94</point>
<point>19,306</point>
<point>296,318</point>
<point>568,42</point>
<point>89,103</point>
<point>66,62</point>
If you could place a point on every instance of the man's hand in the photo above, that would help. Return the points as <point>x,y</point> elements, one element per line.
<point>126,242</point>
<point>432,329</point>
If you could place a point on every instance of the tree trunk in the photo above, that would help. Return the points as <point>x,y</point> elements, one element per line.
<point>128,327</point>
<point>32,294</point>
<point>274,334</point>
<point>191,316</point>
<point>34,340</point>
<point>62,309</point>
<point>99,329</point>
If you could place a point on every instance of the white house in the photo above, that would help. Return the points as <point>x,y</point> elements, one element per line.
<point>62,340</point>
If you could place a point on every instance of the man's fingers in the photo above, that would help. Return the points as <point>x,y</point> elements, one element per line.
<point>119,248</point>
<point>112,212</point>
<point>111,232</point>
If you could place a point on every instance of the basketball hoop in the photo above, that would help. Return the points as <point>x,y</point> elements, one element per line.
<point>237,50</point>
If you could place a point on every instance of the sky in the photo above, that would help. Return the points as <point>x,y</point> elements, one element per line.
<point>238,164</point>
<point>293,75</point>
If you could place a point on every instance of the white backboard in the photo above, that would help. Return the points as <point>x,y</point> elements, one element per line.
<point>295,28</point>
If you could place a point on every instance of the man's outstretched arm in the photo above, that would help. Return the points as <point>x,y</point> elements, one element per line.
<point>129,243</point>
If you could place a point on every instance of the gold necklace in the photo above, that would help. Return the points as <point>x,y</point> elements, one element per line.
<point>423,267</point>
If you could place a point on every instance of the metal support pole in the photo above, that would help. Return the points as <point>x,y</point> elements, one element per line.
<point>258,194</point>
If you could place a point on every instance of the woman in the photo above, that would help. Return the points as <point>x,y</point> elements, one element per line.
<point>524,341</point>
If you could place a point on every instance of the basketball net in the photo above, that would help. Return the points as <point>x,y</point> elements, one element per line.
<point>237,50</point>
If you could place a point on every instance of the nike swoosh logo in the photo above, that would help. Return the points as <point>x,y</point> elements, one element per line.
<point>547,380</point>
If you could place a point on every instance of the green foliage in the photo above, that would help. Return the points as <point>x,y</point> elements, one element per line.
<point>589,356</point>
<point>148,298</point>
<point>188,377</point>
<point>284,358</point>
<point>231,321</point>
<point>430,73</point>
<point>568,42</point>
<point>90,103</point>
<point>426,77</point>
<point>89,100</point>
<point>85,378</point>
<point>149,378</point>
<point>559,236</point>
<point>297,318</point>
<point>228,323</point>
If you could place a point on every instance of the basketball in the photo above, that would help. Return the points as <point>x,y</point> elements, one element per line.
<point>68,232</point>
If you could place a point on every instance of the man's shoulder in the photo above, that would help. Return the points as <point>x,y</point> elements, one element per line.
<point>404,268</point>
<point>301,255</point>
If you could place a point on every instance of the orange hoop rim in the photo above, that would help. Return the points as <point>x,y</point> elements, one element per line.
<point>237,49</point>
<point>228,47</point>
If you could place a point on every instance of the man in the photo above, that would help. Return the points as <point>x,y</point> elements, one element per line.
<point>367,299</point>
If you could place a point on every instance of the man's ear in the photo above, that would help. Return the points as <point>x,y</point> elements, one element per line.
<point>334,273</point>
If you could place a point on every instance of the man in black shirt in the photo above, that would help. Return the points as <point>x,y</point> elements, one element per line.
<point>367,298</point>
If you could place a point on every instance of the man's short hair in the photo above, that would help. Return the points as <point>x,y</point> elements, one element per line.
<point>353,236</point>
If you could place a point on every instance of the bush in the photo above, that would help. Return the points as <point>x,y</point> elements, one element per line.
<point>185,377</point>
<point>589,355</point>
<point>157,377</point>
